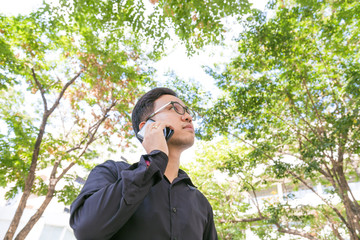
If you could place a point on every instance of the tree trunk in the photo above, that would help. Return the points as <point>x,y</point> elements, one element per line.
<point>33,220</point>
<point>31,176</point>
<point>28,183</point>
<point>16,219</point>
<point>351,208</point>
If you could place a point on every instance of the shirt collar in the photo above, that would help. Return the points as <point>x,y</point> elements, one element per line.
<point>182,176</point>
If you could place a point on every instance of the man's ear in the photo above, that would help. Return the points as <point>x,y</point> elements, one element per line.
<point>141,125</point>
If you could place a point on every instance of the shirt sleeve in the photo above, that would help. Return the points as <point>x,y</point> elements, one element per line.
<point>210,230</point>
<point>111,195</point>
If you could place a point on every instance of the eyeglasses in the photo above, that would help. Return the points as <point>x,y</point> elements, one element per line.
<point>180,109</point>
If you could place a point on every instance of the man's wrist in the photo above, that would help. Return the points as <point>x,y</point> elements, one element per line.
<point>157,157</point>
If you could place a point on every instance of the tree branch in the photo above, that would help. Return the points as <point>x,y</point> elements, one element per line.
<point>328,176</point>
<point>313,104</point>
<point>324,200</point>
<point>297,110</point>
<point>296,129</point>
<point>91,134</point>
<point>57,101</point>
<point>256,203</point>
<point>320,54</point>
<point>295,232</point>
<point>333,228</point>
<point>42,91</point>
<point>242,140</point>
<point>237,220</point>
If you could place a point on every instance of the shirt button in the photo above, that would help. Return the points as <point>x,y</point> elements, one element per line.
<point>174,211</point>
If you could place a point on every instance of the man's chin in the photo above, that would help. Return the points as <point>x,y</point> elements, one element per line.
<point>182,143</point>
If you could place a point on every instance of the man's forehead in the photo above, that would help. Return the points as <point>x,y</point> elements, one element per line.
<point>164,99</point>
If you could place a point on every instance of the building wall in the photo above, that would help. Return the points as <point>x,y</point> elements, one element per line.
<point>54,224</point>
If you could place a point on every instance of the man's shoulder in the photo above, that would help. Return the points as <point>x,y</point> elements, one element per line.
<point>119,164</point>
<point>112,166</point>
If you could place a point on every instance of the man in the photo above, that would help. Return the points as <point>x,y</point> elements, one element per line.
<point>152,199</point>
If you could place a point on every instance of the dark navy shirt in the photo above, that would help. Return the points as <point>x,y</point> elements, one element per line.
<point>135,202</point>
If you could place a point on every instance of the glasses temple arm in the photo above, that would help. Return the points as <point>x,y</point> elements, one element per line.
<point>153,114</point>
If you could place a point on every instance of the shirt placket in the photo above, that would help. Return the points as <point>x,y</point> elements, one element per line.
<point>173,213</point>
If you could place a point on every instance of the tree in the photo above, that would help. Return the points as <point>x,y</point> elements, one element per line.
<point>292,96</point>
<point>196,23</point>
<point>86,64</point>
<point>227,195</point>
<point>99,88</point>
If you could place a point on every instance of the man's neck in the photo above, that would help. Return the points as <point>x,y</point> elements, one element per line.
<point>172,168</point>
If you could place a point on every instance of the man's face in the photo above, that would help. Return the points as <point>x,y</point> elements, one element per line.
<point>182,125</point>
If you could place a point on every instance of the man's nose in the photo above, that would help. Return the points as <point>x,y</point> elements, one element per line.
<point>187,117</point>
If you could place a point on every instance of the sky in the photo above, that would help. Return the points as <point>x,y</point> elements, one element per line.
<point>19,6</point>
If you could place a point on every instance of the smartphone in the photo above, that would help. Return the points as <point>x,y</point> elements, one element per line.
<point>168,132</point>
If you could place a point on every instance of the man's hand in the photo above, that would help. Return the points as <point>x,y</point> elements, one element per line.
<point>154,137</point>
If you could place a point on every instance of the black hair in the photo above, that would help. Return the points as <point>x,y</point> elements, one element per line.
<point>145,105</point>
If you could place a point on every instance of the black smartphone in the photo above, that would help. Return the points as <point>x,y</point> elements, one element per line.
<point>168,132</point>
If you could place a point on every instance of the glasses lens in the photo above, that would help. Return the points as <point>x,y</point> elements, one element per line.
<point>178,108</point>
<point>181,110</point>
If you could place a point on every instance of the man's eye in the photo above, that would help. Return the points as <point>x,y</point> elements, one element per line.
<point>178,108</point>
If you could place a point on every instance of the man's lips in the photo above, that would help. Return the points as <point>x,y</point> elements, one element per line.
<point>188,126</point>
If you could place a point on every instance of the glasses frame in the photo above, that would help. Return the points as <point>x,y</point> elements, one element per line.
<point>185,110</point>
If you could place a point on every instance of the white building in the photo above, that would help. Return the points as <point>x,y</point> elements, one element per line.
<point>53,224</point>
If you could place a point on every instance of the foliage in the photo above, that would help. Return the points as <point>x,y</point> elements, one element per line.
<point>225,194</point>
<point>22,133</point>
<point>195,22</point>
<point>70,92</point>
<point>189,91</point>
<point>50,57</point>
<point>70,74</point>
<point>292,97</point>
